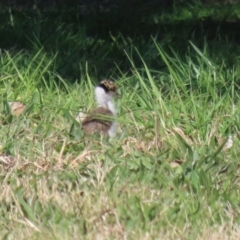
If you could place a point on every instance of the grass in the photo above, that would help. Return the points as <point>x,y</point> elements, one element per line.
<point>167,175</point>
<point>172,172</point>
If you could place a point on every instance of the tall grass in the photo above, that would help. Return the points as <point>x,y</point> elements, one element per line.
<point>171,172</point>
<point>168,174</point>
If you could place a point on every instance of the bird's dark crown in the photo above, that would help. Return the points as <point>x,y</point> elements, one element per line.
<point>108,85</point>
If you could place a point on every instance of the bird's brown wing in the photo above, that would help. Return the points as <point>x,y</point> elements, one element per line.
<point>97,121</point>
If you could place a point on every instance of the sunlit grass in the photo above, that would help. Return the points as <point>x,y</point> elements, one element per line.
<point>171,173</point>
<point>168,174</point>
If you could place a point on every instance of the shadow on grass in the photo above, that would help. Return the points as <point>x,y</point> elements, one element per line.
<point>98,40</point>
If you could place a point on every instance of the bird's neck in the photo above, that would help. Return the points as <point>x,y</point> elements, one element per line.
<point>104,99</point>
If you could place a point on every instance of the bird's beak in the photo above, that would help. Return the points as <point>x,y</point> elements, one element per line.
<point>117,94</point>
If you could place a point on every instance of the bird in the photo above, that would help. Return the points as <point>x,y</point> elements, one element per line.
<point>100,120</point>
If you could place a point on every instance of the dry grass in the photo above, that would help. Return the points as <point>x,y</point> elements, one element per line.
<point>171,173</point>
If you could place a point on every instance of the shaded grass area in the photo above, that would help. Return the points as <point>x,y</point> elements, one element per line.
<point>94,40</point>
<point>173,170</point>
